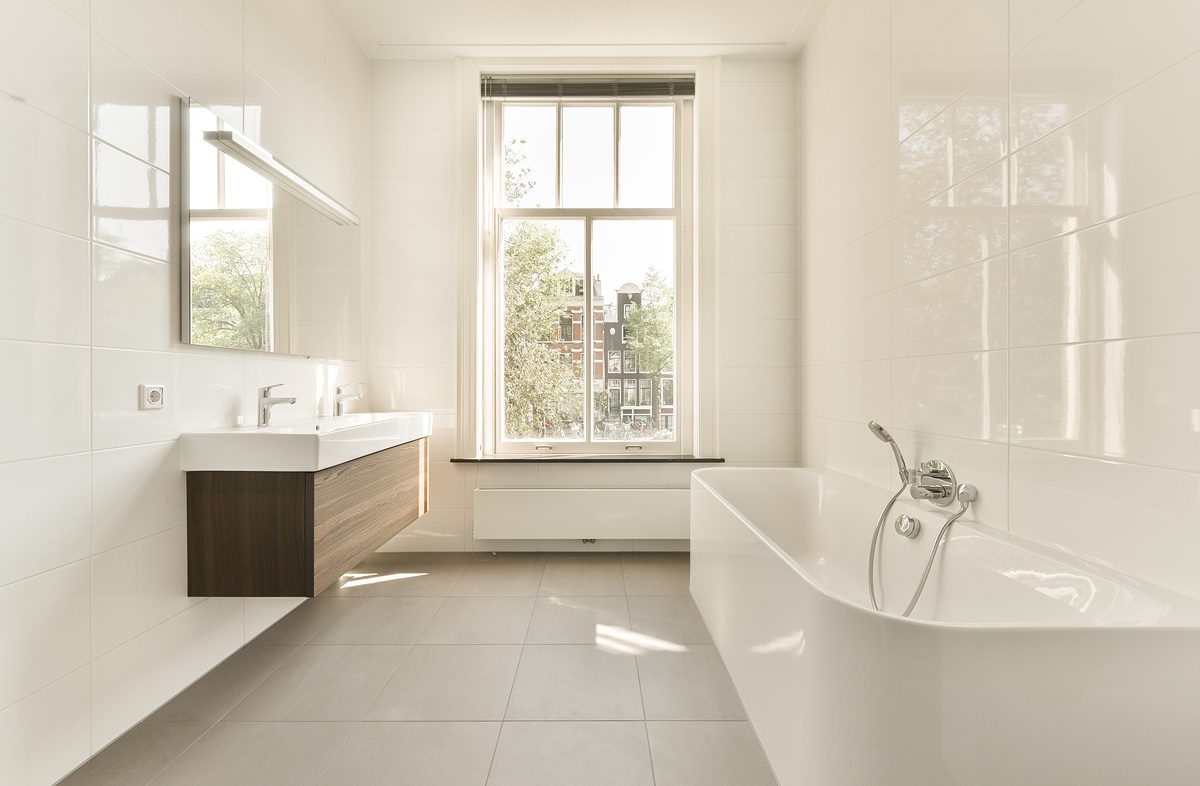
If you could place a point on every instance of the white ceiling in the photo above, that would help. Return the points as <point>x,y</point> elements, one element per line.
<point>396,29</point>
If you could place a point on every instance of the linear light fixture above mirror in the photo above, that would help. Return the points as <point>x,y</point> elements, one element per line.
<point>262,162</point>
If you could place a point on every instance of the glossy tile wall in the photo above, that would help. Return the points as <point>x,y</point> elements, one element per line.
<point>998,201</point>
<point>98,628</point>
<point>756,289</point>
<point>412,303</point>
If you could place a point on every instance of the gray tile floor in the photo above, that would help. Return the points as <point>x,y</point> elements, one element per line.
<point>558,669</point>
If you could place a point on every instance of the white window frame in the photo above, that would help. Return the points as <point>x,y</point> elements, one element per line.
<point>493,214</point>
<point>462,429</point>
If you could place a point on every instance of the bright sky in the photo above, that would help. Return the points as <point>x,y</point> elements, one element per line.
<point>622,249</point>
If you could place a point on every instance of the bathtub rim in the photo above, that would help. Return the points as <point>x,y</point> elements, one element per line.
<point>700,476</point>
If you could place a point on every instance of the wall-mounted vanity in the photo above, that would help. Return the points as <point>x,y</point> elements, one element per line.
<point>282,511</point>
<point>271,263</point>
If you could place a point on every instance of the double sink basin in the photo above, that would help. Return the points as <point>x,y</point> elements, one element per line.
<point>301,445</point>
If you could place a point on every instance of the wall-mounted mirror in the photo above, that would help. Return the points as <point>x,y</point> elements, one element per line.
<point>270,262</point>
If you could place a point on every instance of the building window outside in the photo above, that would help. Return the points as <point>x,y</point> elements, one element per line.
<point>614,397</point>
<point>564,215</point>
<point>668,392</point>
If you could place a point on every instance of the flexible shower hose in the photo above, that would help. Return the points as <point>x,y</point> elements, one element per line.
<point>966,496</point>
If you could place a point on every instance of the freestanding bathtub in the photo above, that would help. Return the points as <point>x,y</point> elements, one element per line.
<point>1020,665</point>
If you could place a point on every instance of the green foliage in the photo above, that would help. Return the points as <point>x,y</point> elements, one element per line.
<point>516,174</point>
<point>651,328</point>
<point>543,394</point>
<point>230,288</point>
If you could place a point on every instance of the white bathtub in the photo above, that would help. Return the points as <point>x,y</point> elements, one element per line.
<point>1020,665</point>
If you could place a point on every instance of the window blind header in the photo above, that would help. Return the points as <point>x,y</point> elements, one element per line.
<point>499,88</point>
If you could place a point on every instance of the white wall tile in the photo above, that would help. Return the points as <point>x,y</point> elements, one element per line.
<point>135,302</point>
<point>44,59</point>
<point>1128,154</point>
<point>203,390</point>
<point>136,492</point>
<point>769,296</point>
<point>758,390</point>
<point>1140,520</point>
<point>131,204</point>
<point>416,153</point>
<point>131,108</point>
<point>966,224</point>
<point>758,200</point>
<point>1111,46</point>
<point>47,513</point>
<point>761,105</point>
<point>409,106</point>
<point>45,293</point>
<point>137,677</point>
<point>1135,276</point>
<point>973,299</point>
<point>413,343</point>
<point>751,249</point>
<point>50,394</point>
<point>46,735</point>
<point>115,300</point>
<point>1075,244</point>
<point>425,296</point>
<point>742,343</point>
<point>138,586</point>
<point>953,395</point>
<point>48,615</point>
<point>758,152</point>
<point>414,248</point>
<point>41,149</point>
<point>166,39</point>
<point>1132,400</point>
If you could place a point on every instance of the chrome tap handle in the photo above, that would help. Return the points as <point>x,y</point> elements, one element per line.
<point>266,391</point>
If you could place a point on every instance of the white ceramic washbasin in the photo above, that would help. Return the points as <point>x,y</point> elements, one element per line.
<point>301,445</point>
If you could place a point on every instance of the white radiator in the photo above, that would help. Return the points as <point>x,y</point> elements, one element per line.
<point>556,514</point>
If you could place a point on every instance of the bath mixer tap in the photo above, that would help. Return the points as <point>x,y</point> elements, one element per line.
<point>266,401</point>
<point>935,482</point>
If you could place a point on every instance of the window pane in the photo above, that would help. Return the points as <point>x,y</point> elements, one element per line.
<point>633,261</point>
<point>244,188</point>
<point>647,156</point>
<point>530,146</point>
<point>231,284</point>
<point>542,371</point>
<point>587,156</point>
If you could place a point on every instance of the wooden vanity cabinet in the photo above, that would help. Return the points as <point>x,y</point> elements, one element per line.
<point>289,534</point>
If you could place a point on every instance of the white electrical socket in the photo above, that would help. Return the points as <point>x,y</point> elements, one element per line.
<point>150,396</point>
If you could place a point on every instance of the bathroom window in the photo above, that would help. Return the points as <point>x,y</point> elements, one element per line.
<point>589,204</point>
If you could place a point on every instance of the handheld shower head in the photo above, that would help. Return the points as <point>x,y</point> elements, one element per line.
<point>883,436</point>
<point>879,431</point>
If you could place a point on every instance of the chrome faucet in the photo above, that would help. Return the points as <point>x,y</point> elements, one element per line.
<point>341,397</point>
<point>266,401</point>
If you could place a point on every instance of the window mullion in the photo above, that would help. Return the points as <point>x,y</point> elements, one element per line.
<point>588,323</point>
<point>558,151</point>
<point>616,155</point>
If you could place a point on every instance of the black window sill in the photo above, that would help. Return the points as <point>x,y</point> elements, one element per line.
<point>587,458</point>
